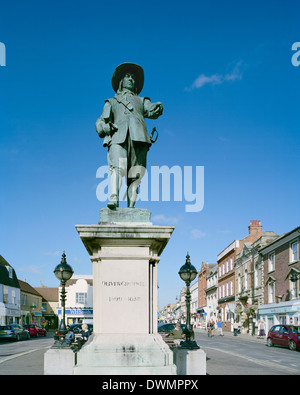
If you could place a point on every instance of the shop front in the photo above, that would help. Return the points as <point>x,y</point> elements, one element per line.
<point>36,318</point>
<point>76,315</point>
<point>280,313</point>
<point>12,316</point>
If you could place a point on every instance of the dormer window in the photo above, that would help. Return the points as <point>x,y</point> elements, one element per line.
<point>10,271</point>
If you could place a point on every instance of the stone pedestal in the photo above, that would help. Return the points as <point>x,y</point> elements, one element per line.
<point>125,249</point>
<point>59,361</point>
<point>190,362</point>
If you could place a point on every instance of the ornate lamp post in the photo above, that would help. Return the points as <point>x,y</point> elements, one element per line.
<point>188,273</point>
<point>63,272</point>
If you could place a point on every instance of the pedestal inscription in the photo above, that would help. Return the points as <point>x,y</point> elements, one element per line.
<point>123,297</point>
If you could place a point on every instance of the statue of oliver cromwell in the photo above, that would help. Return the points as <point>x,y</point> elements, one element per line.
<point>123,128</point>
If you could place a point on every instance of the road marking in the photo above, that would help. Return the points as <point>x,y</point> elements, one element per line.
<point>17,355</point>
<point>257,361</point>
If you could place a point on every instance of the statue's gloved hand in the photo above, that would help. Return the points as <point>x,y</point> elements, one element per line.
<point>156,110</point>
<point>109,128</point>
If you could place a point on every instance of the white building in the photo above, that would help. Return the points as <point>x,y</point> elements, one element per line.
<point>79,300</point>
<point>10,294</point>
<point>194,302</point>
<point>212,294</point>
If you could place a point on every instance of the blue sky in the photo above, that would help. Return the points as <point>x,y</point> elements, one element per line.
<point>224,74</point>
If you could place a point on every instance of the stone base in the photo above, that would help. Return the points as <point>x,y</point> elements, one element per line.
<point>125,215</point>
<point>190,362</point>
<point>59,361</point>
<point>125,354</point>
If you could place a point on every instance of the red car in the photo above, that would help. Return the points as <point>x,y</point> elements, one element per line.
<point>35,330</point>
<point>284,335</point>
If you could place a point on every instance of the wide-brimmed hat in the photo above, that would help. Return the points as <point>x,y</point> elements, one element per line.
<point>124,68</point>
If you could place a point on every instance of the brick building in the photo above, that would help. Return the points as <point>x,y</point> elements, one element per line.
<point>226,274</point>
<point>203,273</point>
<point>281,295</point>
<point>249,278</point>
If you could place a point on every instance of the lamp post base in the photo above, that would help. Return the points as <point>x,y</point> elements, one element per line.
<point>189,345</point>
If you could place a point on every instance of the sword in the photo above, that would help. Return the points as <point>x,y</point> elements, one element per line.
<point>153,133</point>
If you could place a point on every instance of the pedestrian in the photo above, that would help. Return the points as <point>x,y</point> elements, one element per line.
<point>177,334</point>
<point>235,328</point>
<point>70,336</point>
<point>220,328</point>
<point>212,326</point>
<point>84,335</point>
<point>261,329</point>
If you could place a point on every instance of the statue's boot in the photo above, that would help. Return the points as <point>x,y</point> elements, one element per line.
<point>116,182</point>
<point>113,202</point>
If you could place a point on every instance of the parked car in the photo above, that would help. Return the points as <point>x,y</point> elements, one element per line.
<point>14,332</point>
<point>284,335</point>
<point>35,330</point>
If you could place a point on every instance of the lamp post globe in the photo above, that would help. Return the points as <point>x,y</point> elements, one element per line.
<point>294,277</point>
<point>188,273</point>
<point>63,273</point>
<point>63,270</point>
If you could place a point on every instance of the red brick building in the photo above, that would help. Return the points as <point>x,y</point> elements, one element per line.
<point>226,274</point>
<point>281,295</point>
<point>281,260</point>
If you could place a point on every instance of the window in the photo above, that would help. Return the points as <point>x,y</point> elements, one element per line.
<point>5,294</point>
<point>10,271</point>
<point>271,262</point>
<point>271,292</point>
<point>13,296</point>
<point>256,274</point>
<point>81,297</point>
<point>294,251</point>
<point>276,328</point>
<point>24,299</point>
<point>246,279</point>
<point>282,318</point>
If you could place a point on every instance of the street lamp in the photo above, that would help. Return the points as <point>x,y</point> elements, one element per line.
<point>63,272</point>
<point>188,273</point>
<point>294,278</point>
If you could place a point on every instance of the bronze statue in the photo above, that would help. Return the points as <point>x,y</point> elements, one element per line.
<point>123,128</point>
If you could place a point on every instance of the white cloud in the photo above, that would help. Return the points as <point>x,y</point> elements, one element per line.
<point>216,79</point>
<point>203,80</point>
<point>162,219</point>
<point>34,269</point>
<point>197,234</point>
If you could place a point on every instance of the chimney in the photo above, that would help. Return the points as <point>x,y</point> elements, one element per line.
<point>255,227</point>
